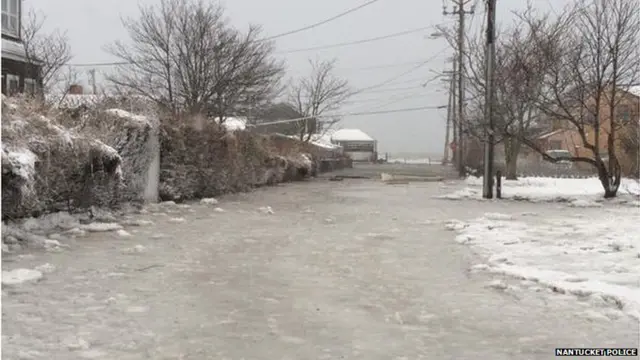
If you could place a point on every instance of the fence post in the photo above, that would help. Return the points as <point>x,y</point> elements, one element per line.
<point>498,184</point>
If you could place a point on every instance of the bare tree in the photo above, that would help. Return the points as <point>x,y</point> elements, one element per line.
<point>317,94</point>
<point>585,72</point>
<point>48,51</point>
<point>184,55</point>
<point>518,73</point>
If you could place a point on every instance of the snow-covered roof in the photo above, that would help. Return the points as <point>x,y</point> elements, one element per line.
<point>635,90</point>
<point>75,100</point>
<point>234,123</point>
<point>350,135</point>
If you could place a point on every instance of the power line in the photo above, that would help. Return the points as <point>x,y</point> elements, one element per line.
<point>394,89</point>
<point>356,42</point>
<point>399,96</point>
<point>401,74</point>
<point>277,36</point>
<point>352,114</point>
<point>386,102</point>
<point>308,27</point>
<point>381,66</point>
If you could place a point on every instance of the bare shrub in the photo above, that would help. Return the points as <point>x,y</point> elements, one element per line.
<point>315,95</point>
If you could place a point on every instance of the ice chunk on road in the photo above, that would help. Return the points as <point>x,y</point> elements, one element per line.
<point>19,276</point>
<point>208,201</point>
<point>123,233</point>
<point>46,268</point>
<point>266,210</point>
<point>101,227</point>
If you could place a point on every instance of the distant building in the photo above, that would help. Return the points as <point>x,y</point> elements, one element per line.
<point>19,73</point>
<point>356,144</point>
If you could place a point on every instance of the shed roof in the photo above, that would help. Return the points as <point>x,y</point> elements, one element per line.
<point>350,135</point>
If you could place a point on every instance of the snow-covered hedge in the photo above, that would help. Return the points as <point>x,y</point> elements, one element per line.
<point>45,166</point>
<point>133,136</point>
<point>57,160</point>
<point>203,159</point>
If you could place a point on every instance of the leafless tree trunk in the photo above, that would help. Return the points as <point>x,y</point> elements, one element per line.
<point>585,68</point>
<point>184,56</point>
<point>51,52</point>
<point>313,96</point>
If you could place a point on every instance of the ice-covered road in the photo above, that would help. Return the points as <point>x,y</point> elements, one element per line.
<point>339,270</point>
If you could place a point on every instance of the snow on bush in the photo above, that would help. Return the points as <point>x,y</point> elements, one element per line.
<point>133,136</point>
<point>594,258</point>
<point>201,159</point>
<point>46,166</point>
<point>579,192</point>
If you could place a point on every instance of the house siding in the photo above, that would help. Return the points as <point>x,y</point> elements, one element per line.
<point>20,69</point>
<point>571,140</point>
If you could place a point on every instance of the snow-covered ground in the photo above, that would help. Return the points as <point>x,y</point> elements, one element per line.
<point>583,192</point>
<point>590,249</point>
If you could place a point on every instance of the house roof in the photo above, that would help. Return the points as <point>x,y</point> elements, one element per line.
<point>350,135</point>
<point>634,90</point>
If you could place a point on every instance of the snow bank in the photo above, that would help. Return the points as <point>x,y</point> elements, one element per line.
<point>598,259</point>
<point>542,189</point>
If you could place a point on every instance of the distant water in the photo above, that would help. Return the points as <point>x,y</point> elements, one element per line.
<point>412,158</point>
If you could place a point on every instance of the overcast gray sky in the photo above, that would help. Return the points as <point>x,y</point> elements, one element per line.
<point>90,24</point>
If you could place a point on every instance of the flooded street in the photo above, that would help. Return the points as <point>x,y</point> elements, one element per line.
<point>324,270</point>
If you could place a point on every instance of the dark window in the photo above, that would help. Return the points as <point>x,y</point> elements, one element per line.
<point>30,86</point>
<point>623,113</point>
<point>357,146</point>
<point>13,84</point>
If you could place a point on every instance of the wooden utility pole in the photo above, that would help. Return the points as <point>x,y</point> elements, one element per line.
<point>450,115</point>
<point>487,183</point>
<point>92,76</point>
<point>459,9</point>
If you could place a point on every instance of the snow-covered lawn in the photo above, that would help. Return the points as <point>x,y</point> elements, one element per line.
<point>581,192</point>
<point>596,259</point>
<point>592,253</point>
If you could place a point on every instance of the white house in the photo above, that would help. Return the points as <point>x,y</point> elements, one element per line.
<point>356,144</point>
